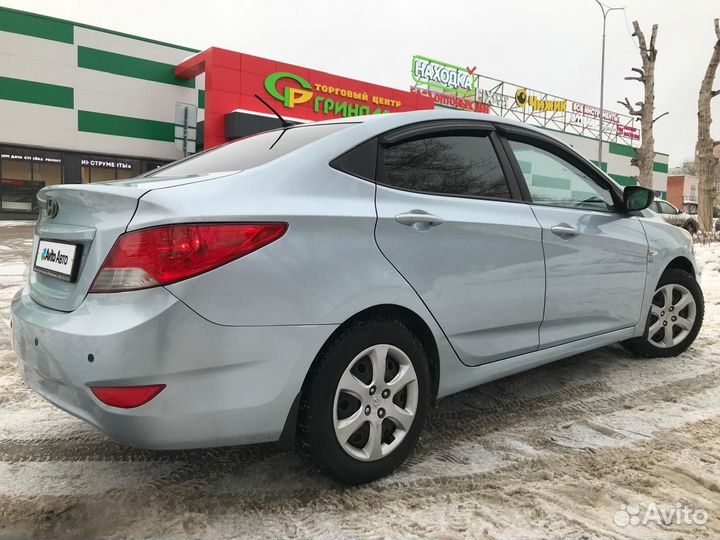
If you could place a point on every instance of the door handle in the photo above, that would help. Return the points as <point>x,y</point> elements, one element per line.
<point>564,231</point>
<point>418,217</point>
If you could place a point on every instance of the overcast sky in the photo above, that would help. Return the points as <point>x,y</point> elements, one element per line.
<point>549,45</point>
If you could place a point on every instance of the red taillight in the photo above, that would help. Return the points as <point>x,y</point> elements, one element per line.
<point>126,397</point>
<point>164,255</point>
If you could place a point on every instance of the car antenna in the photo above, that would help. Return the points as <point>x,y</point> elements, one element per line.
<point>284,123</point>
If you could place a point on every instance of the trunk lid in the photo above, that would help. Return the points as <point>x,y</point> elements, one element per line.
<point>91,216</point>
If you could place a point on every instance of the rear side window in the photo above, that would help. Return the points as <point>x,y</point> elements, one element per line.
<point>250,151</point>
<point>461,165</point>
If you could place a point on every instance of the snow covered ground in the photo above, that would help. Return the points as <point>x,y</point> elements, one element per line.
<point>598,445</point>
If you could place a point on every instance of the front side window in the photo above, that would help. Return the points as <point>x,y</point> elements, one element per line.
<point>463,165</point>
<point>556,182</point>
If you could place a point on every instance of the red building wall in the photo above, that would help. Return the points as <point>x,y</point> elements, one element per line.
<point>232,79</point>
<point>675,188</point>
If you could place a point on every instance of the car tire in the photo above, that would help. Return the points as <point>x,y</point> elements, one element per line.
<point>670,293</point>
<point>691,227</point>
<point>338,396</point>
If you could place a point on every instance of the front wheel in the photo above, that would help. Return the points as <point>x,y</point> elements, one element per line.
<point>676,315</point>
<point>365,401</point>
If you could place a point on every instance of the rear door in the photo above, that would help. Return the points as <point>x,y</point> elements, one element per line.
<point>595,255</point>
<point>456,229</point>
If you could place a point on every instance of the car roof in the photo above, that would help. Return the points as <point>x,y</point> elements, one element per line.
<point>410,117</point>
<point>378,123</point>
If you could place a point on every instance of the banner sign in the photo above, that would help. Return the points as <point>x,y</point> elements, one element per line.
<point>449,100</point>
<point>628,132</point>
<point>447,78</point>
<point>443,81</point>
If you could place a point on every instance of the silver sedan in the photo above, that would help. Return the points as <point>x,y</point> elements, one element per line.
<point>323,285</point>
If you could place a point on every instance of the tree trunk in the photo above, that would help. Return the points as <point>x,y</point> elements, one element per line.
<point>707,162</point>
<point>646,152</point>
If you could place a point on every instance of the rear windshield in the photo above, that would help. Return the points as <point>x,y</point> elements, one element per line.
<point>248,152</point>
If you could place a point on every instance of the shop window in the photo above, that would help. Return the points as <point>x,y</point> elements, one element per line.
<point>125,173</point>
<point>23,172</point>
<point>49,174</point>
<point>99,174</point>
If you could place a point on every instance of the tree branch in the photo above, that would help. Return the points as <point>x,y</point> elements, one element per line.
<point>717,28</point>
<point>627,105</point>
<point>639,70</point>
<point>659,117</point>
<point>653,51</point>
<point>639,79</point>
<point>715,93</point>
<point>641,38</point>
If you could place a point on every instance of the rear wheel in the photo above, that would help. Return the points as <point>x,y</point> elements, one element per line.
<point>365,401</point>
<point>676,314</point>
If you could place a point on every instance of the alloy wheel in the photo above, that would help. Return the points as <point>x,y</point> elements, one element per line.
<point>672,316</point>
<point>375,402</point>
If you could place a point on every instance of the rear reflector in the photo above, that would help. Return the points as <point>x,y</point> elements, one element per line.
<point>126,397</point>
<point>164,255</point>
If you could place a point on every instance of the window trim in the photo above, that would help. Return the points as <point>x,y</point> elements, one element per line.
<point>514,133</point>
<point>338,162</point>
<point>438,127</point>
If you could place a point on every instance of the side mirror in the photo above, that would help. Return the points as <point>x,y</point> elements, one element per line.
<point>637,198</point>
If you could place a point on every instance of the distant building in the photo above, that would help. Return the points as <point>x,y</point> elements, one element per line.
<point>682,192</point>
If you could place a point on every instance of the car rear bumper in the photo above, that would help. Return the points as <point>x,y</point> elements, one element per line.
<point>224,385</point>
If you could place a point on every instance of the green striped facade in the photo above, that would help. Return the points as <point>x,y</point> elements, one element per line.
<point>617,160</point>
<point>117,94</point>
<point>112,85</point>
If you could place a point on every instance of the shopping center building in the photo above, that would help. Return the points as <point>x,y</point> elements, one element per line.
<point>85,104</point>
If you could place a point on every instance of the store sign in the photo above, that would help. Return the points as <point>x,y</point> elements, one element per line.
<point>491,97</point>
<point>104,164</point>
<point>593,112</point>
<point>442,76</point>
<point>35,159</point>
<point>523,98</point>
<point>292,90</point>
<point>449,100</point>
<point>628,132</point>
<point>291,95</point>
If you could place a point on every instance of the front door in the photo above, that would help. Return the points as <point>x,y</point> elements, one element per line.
<point>450,224</point>
<point>595,255</point>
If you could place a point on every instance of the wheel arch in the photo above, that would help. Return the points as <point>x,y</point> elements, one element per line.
<point>410,318</point>
<point>681,263</point>
<point>413,321</point>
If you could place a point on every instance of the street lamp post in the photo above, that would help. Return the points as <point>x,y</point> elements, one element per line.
<point>605,10</point>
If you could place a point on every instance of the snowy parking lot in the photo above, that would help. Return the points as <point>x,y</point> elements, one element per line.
<point>597,445</point>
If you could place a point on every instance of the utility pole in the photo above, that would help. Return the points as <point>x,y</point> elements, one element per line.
<point>605,10</point>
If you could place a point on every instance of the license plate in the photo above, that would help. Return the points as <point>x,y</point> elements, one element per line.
<point>57,259</point>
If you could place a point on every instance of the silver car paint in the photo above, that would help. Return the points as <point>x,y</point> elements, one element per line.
<point>225,385</point>
<point>480,272</point>
<point>237,342</point>
<point>93,216</point>
<point>595,280</point>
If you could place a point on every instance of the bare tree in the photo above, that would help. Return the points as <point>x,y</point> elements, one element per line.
<point>707,162</point>
<point>645,108</point>
<point>688,167</point>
